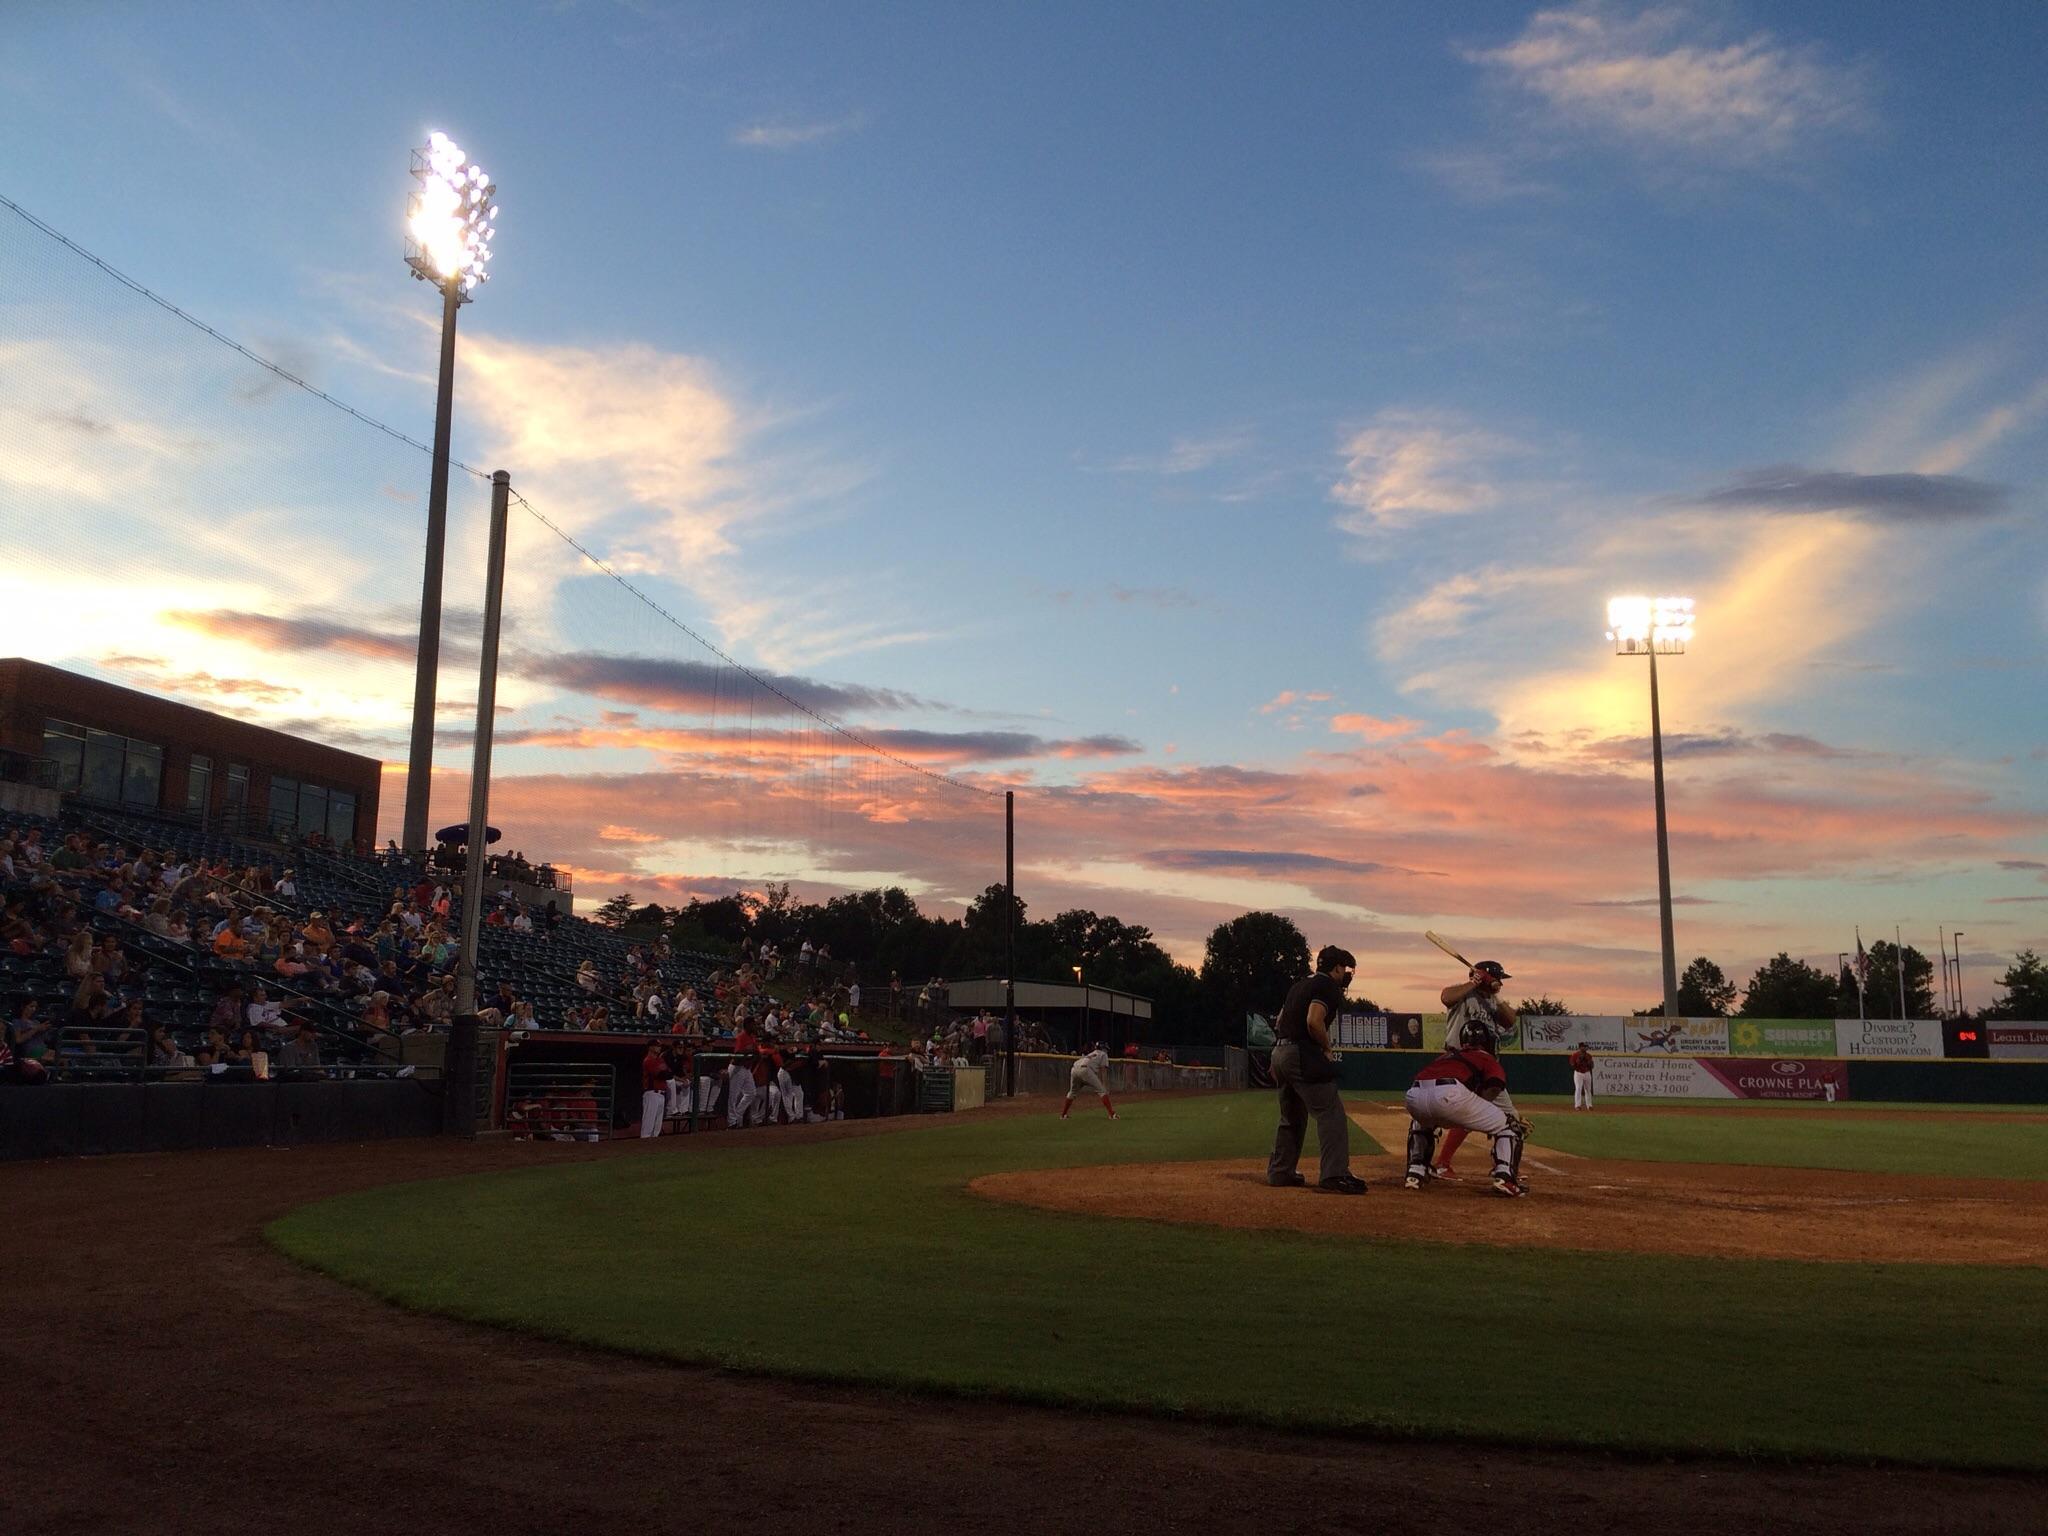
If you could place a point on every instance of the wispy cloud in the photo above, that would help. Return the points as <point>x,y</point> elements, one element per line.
<point>1406,467</point>
<point>789,134</point>
<point>1290,698</point>
<point>1186,455</point>
<point>1662,80</point>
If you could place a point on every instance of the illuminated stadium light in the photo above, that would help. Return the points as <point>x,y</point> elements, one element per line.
<point>451,218</point>
<point>449,223</point>
<point>1653,627</point>
<point>1640,624</point>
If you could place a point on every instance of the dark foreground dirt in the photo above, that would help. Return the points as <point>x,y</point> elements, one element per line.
<point>162,1370</point>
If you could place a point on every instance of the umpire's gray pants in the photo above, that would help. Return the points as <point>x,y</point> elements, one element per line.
<point>1299,1100</point>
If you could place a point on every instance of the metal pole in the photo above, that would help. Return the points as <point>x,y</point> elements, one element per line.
<point>480,763</point>
<point>419,767</point>
<point>1899,956</point>
<point>1960,1009</point>
<point>1663,846</point>
<point>1010,938</point>
<point>1941,938</point>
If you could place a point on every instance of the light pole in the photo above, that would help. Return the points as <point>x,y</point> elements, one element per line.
<point>1082,1041</point>
<point>1958,937</point>
<point>450,219</point>
<point>1645,626</point>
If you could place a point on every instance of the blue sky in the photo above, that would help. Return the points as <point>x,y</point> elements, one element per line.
<point>1118,370</point>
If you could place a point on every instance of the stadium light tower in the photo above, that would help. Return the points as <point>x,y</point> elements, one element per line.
<point>450,219</point>
<point>1650,626</point>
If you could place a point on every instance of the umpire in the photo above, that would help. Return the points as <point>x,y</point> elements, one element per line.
<point>1307,1077</point>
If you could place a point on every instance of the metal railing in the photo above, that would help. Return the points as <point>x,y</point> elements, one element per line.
<point>560,1100</point>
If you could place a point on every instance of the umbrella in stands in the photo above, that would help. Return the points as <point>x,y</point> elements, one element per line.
<point>459,834</point>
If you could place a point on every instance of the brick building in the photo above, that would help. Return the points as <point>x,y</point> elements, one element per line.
<point>103,744</point>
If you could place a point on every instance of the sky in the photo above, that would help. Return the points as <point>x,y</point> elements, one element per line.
<point>1222,425</point>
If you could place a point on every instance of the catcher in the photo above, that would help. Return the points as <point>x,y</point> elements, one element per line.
<point>1466,1090</point>
<point>1477,1017</point>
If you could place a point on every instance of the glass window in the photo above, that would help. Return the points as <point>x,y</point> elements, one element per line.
<point>142,779</point>
<point>312,808</point>
<point>238,785</point>
<point>284,802</point>
<point>199,783</point>
<point>64,746</point>
<point>104,752</point>
<point>341,816</point>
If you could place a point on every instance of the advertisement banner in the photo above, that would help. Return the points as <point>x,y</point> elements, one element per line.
<point>1378,1031</point>
<point>1655,1077</point>
<point>1676,1037</point>
<point>1567,1032</point>
<point>1782,1078</point>
<point>2017,1042</point>
<point>1717,1077</point>
<point>1781,1037</point>
<point>1888,1037</point>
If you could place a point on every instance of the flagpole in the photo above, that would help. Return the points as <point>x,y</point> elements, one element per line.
<point>1862,979</point>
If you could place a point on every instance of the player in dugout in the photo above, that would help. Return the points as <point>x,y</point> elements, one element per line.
<point>1477,1017</point>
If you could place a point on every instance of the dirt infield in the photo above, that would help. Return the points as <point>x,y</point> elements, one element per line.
<point>1720,1211</point>
<point>167,1371</point>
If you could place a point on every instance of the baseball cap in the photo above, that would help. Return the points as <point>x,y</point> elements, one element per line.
<point>1493,968</point>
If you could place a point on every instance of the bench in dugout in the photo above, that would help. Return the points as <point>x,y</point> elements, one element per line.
<point>560,1100</point>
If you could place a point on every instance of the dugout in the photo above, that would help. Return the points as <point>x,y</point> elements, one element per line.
<point>86,1119</point>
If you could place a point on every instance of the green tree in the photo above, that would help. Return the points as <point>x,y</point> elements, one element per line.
<point>1704,991</point>
<point>1546,1004</point>
<point>1881,996</point>
<point>1784,988</point>
<point>617,912</point>
<point>1250,962</point>
<point>2026,989</point>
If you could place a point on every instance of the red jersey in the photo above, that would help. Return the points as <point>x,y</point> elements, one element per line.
<point>1478,1070</point>
<point>744,1043</point>
<point>654,1072</point>
<point>1582,1060</point>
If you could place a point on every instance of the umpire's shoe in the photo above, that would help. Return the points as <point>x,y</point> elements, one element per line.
<point>1413,1181</point>
<point>1343,1184</point>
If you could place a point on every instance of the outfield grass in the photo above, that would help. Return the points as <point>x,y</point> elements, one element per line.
<point>868,1260</point>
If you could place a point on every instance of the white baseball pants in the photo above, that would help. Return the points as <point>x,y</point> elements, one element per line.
<point>739,1098</point>
<point>1582,1090</point>
<point>653,1107</point>
<point>1440,1102</point>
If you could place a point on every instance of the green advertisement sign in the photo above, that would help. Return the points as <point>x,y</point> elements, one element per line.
<point>1781,1037</point>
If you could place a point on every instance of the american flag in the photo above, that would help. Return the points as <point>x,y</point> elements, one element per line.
<point>1860,969</point>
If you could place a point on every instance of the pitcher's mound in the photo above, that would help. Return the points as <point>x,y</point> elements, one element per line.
<point>1707,1210</point>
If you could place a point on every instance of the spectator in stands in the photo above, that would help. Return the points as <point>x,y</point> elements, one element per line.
<point>261,1012</point>
<point>32,1040</point>
<point>299,1055</point>
<point>78,956</point>
<point>586,975</point>
<point>246,1058</point>
<point>164,1050</point>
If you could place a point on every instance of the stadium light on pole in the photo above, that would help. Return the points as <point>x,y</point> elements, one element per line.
<point>1084,1039</point>
<point>1648,626</point>
<point>450,220</point>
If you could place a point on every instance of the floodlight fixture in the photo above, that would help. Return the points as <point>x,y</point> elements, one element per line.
<point>1638,625</point>
<point>1653,627</point>
<point>450,219</point>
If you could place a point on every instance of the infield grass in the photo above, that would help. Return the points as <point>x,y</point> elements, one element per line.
<point>867,1260</point>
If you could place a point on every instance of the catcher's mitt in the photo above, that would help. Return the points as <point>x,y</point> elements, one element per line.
<point>1519,1126</point>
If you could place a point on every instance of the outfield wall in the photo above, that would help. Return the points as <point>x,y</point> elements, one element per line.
<point>2010,1081</point>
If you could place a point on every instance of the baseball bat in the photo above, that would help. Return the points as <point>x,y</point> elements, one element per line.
<point>1444,944</point>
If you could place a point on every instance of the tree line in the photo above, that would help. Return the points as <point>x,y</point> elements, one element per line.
<point>1248,963</point>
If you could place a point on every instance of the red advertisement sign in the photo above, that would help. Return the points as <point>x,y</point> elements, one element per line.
<point>1781,1077</point>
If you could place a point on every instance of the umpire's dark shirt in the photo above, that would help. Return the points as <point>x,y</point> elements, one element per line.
<point>1319,988</point>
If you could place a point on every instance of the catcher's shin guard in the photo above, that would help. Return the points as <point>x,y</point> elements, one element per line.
<point>1421,1149</point>
<point>1507,1150</point>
